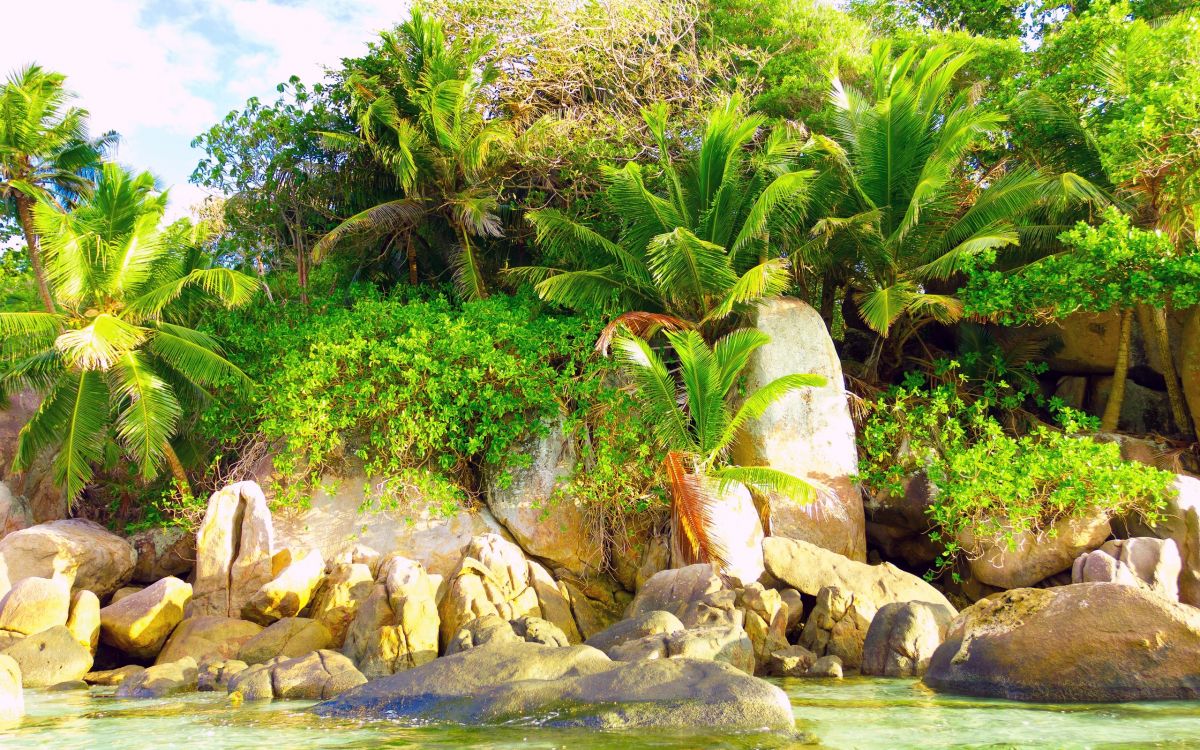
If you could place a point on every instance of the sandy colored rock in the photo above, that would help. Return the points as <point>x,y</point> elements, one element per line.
<point>1140,561</point>
<point>594,610</point>
<point>111,677</point>
<point>903,637</point>
<point>209,636</point>
<point>288,638</point>
<point>289,592</point>
<point>766,621</point>
<point>216,674</point>
<point>12,697</point>
<point>139,624</point>
<point>829,667</point>
<point>1035,556</point>
<point>554,602</point>
<point>100,561</point>
<point>123,592</point>
<point>339,599</point>
<point>636,627</point>
<point>1181,524</point>
<point>838,626</point>
<point>316,676</point>
<point>1089,642</point>
<point>50,657</point>
<point>233,551</point>
<point>793,661</point>
<point>678,591</point>
<point>163,552</point>
<point>34,605</point>
<point>808,568</point>
<point>397,627</point>
<point>84,620</point>
<point>493,578</point>
<point>808,432</point>
<point>161,680</point>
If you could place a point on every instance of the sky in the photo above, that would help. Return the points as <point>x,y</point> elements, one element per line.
<point>160,72</point>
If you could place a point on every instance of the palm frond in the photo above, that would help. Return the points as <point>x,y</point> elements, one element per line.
<point>764,280</point>
<point>765,479</point>
<point>393,216</point>
<point>150,415</point>
<point>98,345</point>
<point>660,396</point>
<point>757,403</point>
<point>195,356</point>
<point>641,324</point>
<point>693,515</point>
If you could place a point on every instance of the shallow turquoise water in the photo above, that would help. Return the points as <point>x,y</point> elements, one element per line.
<point>854,713</point>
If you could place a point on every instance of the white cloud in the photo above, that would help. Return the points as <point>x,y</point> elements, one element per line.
<point>161,72</point>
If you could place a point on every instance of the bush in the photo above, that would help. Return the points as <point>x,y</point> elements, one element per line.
<point>986,480</point>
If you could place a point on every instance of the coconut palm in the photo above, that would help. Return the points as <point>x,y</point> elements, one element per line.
<point>707,248</point>
<point>116,362</point>
<point>910,211</point>
<point>695,423</point>
<point>423,120</point>
<point>45,153</point>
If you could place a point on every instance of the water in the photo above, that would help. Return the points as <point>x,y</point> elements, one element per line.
<point>860,713</point>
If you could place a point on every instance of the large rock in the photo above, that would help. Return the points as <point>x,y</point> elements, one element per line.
<point>574,686</point>
<point>808,568</point>
<point>1143,410</point>
<point>1138,561</point>
<point>50,657</point>
<point>319,675</point>
<point>100,561</point>
<point>532,501</point>
<point>35,498</point>
<point>766,621</point>
<point>209,636</point>
<point>838,626</point>
<point>1090,642</point>
<point>233,551</point>
<point>808,432</point>
<point>12,697</point>
<point>342,514</point>
<point>903,637</point>
<point>84,620</point>
<point>140,623</point>
<point>289,592</point>
<point>337,603</point>
<point>688,593</point>
<point>161,680</point>
<point>1181,524</point>
<point>15,511</point>
<point>35,604</point>
<point>489,629</point>
<point>397,627</point>
<point>287,638</point>
<point>1033,557</point>
<point>163,552</point>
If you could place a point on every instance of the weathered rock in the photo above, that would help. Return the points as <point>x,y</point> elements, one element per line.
<point>1034,556</point>
<point>111,677</point>
<point>537,630</point>
<point>827,666</point>
<point>123,592</point>
<point>838,626</point>
<point>50,657</point>
<point>1143,409</point>
<point>216,674</point>
<point>795,609</point>
<point>686,593</point>
<point>1180,523</point>
<point>655,557</point>
<point>140,623</point>
<point>808,568</point>
<point>9,638</point>
<point>727,643</point>
<point>288,638</point>
<point>594,608</point>
<point>903,637</point>
<point>84,620</point>
<point>320,675</point>
<point>163,552</point>
<point>793,661</point>
<point>12,697</point>
<point>337,603</point>
<point>1146,561</point>
<point>766,621</point>
<point>289,592</point>
<point>574,686</point>
<point>1091,642</point>
<point>35,604</point>
<point>397,627</point>
<point>35,496</point>
<point>161,680</point>
<point>638,626</point>
<point>898,524</point>
<point>233,551</point>
<point>554,601</point>
<point>209,636</point>
<point>100,561</point>
<point>807,433</point>
<point>493,578</point>
<point>491,629</point>
<point>15,511</point>
<point>531,500</point>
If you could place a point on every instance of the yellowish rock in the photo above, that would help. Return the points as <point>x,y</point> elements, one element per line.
<point>84,620</point>
<point>289,592</point>
<point>35,605</point>
<point>397,627</point>
<point>211,636</point>
<point>339,600</point>
<point>139,624</point>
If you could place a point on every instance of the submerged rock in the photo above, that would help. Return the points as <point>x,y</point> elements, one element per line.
<point>50,657</point>
<point>574,686</point>
<point>110,677</point>
<point>161,680</point>
<point>1088,642</point>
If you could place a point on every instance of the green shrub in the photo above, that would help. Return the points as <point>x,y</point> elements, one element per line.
<point>988,481</point>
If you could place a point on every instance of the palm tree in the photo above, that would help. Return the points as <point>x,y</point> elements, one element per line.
<point>45,153</point>
<point>116,362</point>
<point>694,422</point>
<point>909,209</point>
<point>697,254</point>
<point>424,121</point>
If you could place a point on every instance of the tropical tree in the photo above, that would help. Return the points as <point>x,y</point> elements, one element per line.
<point>708,248</point>
<point>45,153</point>
<point>912,205</point>
<point>116,364</point>
<point>423,118</point>
<point>695,422</point>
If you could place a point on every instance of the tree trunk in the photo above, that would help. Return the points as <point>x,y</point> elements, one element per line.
<point>828,298</point>
<point>1116,394</point>
<point>1162,339</point>
<point>25,214</point>
<point>412,259</point>
<point>177,469</point>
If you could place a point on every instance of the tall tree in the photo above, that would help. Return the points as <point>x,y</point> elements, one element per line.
<point>116,363</point>
<point>45,153</point>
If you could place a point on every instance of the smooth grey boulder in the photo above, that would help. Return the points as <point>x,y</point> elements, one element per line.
<point>317,676</point>
<point>50,657</point>
<point>576,686</point>
<point>722,643</point>
<point>903,637</point>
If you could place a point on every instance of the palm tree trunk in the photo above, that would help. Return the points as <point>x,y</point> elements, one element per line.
<point>412,259</point>
<point>828,298</point>
<point>1116,394</point>
<point>1162,339</point>
<point>25,215</point>
<point>177,469</point>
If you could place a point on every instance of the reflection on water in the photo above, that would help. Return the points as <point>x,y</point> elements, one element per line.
<point>854,713</point>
